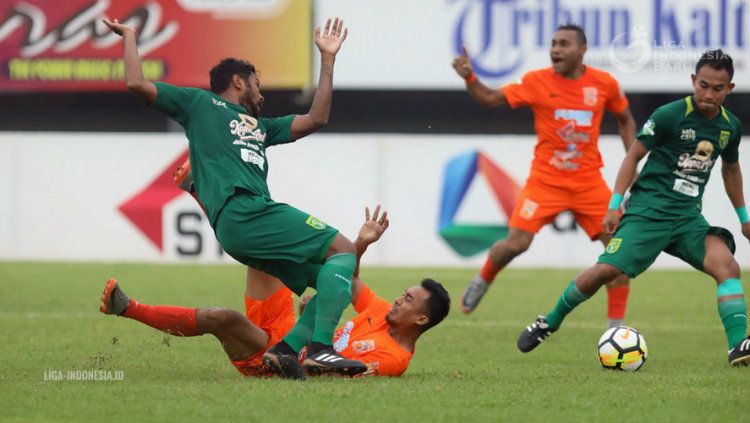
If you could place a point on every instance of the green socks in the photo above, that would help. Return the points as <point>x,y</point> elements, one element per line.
<point>732,310</point>
<point>334,286</point>
<point>302,332</point>
<point>569,300</point>
<point>322,313</point>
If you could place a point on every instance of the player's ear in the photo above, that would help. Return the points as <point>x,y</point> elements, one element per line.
<point>237,81</point>
<point>422,320</point>
<point>692,77</point>
<point>731,87</point>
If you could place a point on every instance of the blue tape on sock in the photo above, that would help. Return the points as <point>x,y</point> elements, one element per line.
<point>729,287</point>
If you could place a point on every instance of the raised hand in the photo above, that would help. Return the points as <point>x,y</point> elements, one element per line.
<point>462,64</point>
<point>374,227</point>
<point>330,40</point>
<point>117,27</point>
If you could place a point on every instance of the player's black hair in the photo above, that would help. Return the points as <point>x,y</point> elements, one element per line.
<point>718,60</point>
<point>580,33</point>
<point>221,74</point>
<point>438,304</point>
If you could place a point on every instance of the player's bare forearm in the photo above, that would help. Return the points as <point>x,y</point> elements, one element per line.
<point>484,95</point>
<point>361,247</point>
<point>626,124</point>
<point>629,165</point>
<point>134,78</point>
<point>320,109</point>
<point>732,175</point>
<point>329,42</point>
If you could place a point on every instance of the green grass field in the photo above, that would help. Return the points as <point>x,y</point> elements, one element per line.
<point>466,369</point>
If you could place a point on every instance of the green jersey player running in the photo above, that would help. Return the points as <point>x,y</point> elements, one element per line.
<point>685,138</point>
<point>228,141</point>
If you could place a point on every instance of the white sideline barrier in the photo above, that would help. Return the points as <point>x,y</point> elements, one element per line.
<point>59,195</point>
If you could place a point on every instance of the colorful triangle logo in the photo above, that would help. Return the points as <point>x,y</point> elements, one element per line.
<point>464,238</point>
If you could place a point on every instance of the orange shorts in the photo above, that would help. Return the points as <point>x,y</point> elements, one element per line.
<point>541,201</point>
<point>275,315</point>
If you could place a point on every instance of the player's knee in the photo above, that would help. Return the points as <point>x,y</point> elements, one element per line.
<point>215,317</point>
<point>341,245</point>
<point>724,269</point>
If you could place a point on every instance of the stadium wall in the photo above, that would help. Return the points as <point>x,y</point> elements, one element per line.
<point>86,197</point>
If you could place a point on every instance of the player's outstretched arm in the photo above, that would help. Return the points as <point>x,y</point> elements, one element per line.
<point>626,124</point>
<point>370,232</point>
<point>329,43</point>
<point>134,79</point>
<point>629,166</point>
<point>732,175</point>
<point>479,92</point>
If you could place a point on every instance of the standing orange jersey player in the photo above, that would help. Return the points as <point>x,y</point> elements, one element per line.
<point>568,100</point>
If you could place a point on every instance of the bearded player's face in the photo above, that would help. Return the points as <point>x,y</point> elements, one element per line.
<point>251,99</point>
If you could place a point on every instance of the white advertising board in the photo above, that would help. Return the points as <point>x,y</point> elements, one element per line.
<point>60,196</point>
<point>649,45</point>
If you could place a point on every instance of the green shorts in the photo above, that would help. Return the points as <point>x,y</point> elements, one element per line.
<point>275,238</point>
<point>639,240</point>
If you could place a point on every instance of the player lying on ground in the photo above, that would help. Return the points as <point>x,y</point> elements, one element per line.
<point>568,100</point>
<point>227,142</point>
<point>382,335</point>
<point>685,139</point>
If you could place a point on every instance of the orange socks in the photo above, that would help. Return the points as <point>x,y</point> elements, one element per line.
<point>489,271</point>
<point>617,301</point>
<point>175,320</point>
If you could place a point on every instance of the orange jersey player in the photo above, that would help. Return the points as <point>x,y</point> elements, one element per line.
<point>568,100</point>
<point>382,335</point>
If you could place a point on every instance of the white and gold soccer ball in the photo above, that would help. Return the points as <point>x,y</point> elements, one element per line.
<point>622,348</point>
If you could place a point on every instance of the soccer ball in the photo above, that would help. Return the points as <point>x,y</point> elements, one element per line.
<point>622,348</point>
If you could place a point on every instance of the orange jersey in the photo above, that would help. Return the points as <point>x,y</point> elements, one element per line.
<point>365,338</point>
<point>567,116</point>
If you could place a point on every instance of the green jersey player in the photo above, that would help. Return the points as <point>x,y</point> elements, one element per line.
<point>227,140</point>
<point>685,139</point>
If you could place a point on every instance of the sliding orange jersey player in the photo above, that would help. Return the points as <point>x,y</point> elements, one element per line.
<point>367,337</point>
<point>382,335</point>
<point>568,100</point>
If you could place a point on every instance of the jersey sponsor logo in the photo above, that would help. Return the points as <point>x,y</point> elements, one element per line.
<point>343,341</point>
<point>724,139</point>
<point>563,160</point>
<point>684,187</point>
<point>580,117</point>
<point>252,157</point>
<point>648,128</point>
<point>315,222</point>
<point>699,162</point>
<point>569,134</point>
<point>246,128</point>
<point>248,145</point>
<point>614,245</point>
<point>590,96</point>
<point>219,103</point>
<point>362,347</point>
<point>528,208</point>
<point>688,134</point>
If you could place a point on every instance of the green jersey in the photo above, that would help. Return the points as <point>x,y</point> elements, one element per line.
<point>227,146</point>
<point>684,147</point>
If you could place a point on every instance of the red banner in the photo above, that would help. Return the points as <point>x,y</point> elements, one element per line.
<point>63,45</point>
